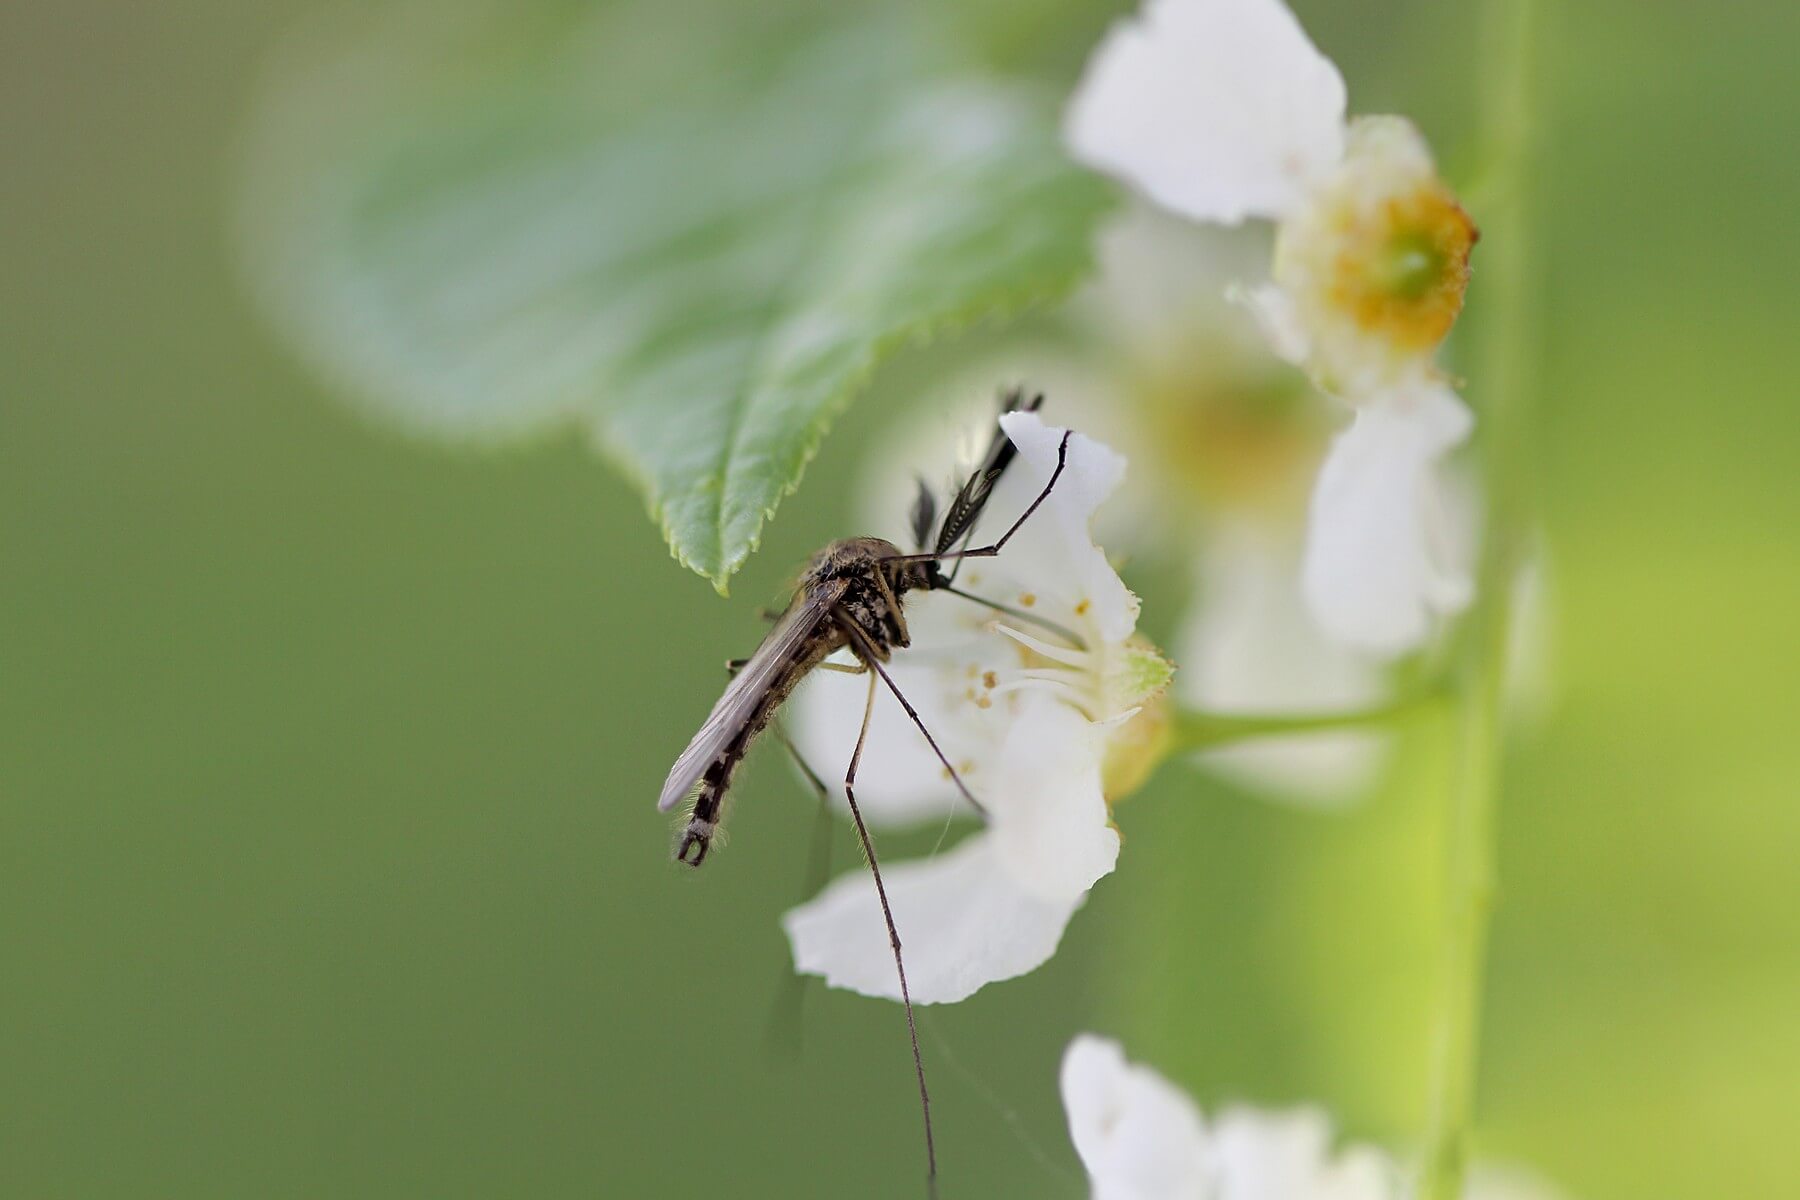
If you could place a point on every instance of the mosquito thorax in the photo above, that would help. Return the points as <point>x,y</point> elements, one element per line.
<point>877,583</point>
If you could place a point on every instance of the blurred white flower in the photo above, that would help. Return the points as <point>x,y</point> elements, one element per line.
<point>1221,425</point>
<point>1221,110</point>
<point>1141,1138</point>
<point>1138,1136</point>
<point>1044,727</point>
<point>1225,440</point>
<point>1159,281</point>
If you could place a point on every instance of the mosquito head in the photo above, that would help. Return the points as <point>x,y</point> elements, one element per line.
<point>904,576</point>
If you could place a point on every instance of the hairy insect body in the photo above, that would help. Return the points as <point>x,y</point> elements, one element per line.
<point>874,584</point>
<point>848,596</point>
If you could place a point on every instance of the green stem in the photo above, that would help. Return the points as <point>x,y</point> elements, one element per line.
<point>1194,729</point>
<point>1505,352</point>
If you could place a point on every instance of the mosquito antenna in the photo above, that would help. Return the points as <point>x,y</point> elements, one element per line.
<point>1062,460</point>
<point>887,915</point>
<point>968,537</point>
<point>868,653</point>
<point>965,508</point>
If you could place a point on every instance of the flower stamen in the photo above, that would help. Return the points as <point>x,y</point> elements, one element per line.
<point>1066,655</point>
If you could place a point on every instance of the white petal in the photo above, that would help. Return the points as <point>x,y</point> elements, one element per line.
<point>1139,1137</point>
<point>1279,320</point>
<point>1288,1156</point>
<point>962,922</point>
<point>1374,573</point>
<point>1218,109</point>
<point>1054,552</point>
<point>1251,647</point>
<point>1048,809</point>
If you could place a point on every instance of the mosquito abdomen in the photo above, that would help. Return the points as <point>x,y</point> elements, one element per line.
<point>709,801</point>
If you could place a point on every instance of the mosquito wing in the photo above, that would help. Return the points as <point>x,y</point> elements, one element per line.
<point>748,688</point>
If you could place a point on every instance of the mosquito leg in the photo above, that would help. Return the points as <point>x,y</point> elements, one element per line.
<point>955,776</point>
<point>867,653</point>
<point>734,665</point>
<point>1020,614</point>
<point>896,618</point>
<point>818,872</point>
<point>787,1022</point>
<point>887,915</point>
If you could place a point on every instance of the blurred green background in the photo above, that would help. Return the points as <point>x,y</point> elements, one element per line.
<point>327,860</point>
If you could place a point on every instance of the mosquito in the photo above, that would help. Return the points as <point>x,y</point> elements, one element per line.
<point>850,596</point>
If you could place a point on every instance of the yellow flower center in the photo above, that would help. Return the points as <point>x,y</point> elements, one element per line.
<point>1402,269</point>
<point>1376,262</point>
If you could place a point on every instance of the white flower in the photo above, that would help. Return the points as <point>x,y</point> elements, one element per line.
<point>1141,1138</point>
<point>1217,422</point>
<point>1370,271</point>
<point>1232,437</point>
<point>1038,724</point>
<point>1222,109</point>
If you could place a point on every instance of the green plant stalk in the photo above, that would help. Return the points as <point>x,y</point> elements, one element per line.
<point>1505,357</point>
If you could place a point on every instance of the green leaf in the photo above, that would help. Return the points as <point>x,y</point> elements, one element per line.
<point>697,246</point>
